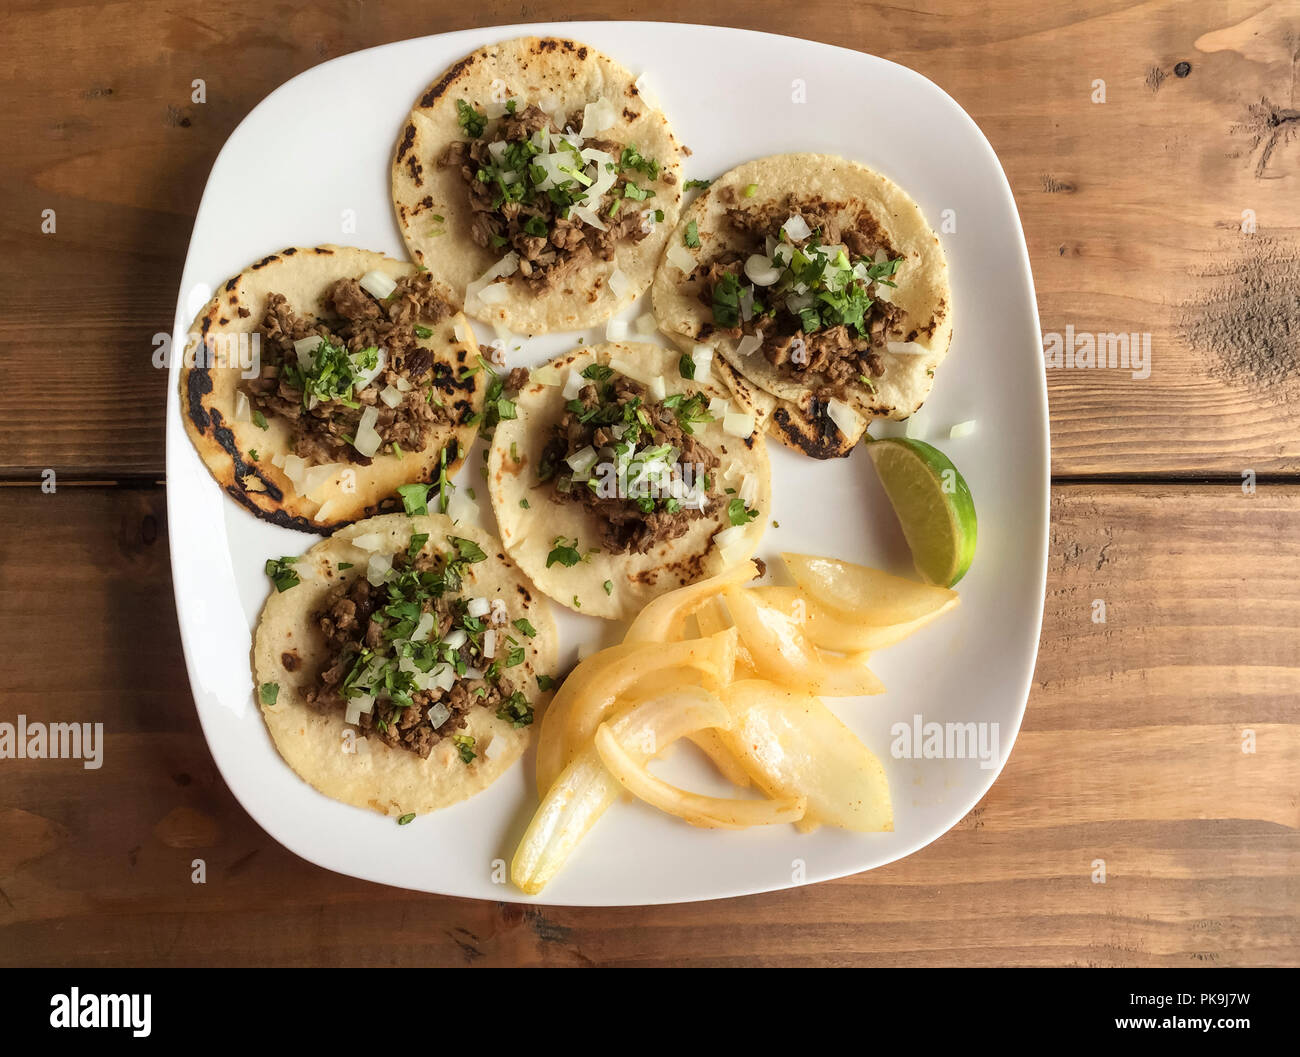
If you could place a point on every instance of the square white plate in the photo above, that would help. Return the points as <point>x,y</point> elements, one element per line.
<point>315,154</point>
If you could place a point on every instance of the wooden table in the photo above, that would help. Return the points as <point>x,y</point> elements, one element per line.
<point>1132,748</point>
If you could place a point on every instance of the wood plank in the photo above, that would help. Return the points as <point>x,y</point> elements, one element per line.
<point>1132,208</point>
<point>1131,752</point>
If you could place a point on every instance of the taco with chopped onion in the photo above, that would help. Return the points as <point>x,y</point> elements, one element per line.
<point>538,184</point>
<point>627,471</point>
<point>399,663</point>
<point>820,282</point>
<point>318,382</point>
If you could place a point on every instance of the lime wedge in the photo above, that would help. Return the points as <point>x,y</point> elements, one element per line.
<point>933,504</point>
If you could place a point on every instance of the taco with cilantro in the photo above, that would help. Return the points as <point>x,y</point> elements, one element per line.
<point>319,381</point>
<point>821,283</point>
<point>627,471</point>
<point>538,184</point>
<point>400,663</point>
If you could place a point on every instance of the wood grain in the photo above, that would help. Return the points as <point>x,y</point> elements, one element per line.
<point>1132,208</point>
<point>1131,753</point>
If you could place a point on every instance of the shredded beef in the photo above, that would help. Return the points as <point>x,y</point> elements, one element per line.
<point>357,321</point>
<point>832,358</point>
<point>350,619</point>
<point>624,523</point>
<point>551,243</point>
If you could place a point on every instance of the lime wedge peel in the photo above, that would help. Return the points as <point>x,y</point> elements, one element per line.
<point>933,504</point>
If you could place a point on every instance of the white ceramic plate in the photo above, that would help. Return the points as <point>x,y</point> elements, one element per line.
<point>316,152</point>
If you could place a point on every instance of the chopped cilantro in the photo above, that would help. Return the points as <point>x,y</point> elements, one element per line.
<point>281,575</point>
<point>423,332</point>
<point>525,627</point>
<point>415,498</point>
<point>406,819</point>
<point>609,587</point>
<point>472,123</point>
<point>418,540</point>
<point>692,235</point>
<point>739,514</point>
<point>268,692</point>
<point>686,365</point>
<point>465,745</point>
<point>545,682</point>
<point>259,420</point>
<point>564,552</point>
<point>516,710</point>
<point>691,185</point>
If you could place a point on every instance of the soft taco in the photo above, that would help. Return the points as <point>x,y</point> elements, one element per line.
<point>553,180</point>
<point>820,281</point>
<point>319,381</point>
<point>399,663</point>
<point>620,478</point>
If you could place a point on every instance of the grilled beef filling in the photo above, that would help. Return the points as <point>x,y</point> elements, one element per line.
<point>407,660</point>
<point>814,300</point>
<point>634,465</point>
<point>519,205</point>
<point>325,391</point>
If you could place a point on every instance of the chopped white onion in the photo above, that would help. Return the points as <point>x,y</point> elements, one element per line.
<point>703,357</point>
<point>305,349</point>
<point>390,395</point>
<point>616,330</point>
<point>846,419</point>
<point>243,411</point>
<point>597,117</point>
<point>680,257</point>
<point>748,490</point>
<point>546,374</point>
<point>477,607</point>
<point>760,271</point>
<point>368,439</point>
<point>619,284</point>
<point>438,714</point>
<point>658,387</point>
<point>403,386</point>
<point>489,644</point>
<point>315,478</point>
<point>494,293</point>
<point>750,344</point>
<point>738,423</point>
<point>719,406</point>
<point>497,613</point>
<point>444,676</point>
<point>364,378</point>
<point>459,331</point>
<point>962,429</point>
<point>507,265</point>
<point>377,568</point>
<point>473,673</point>
<point>575,381</point>
<point>424,627</point>
<point>730,536</point>
<point>377,284</point>
<point>368,541</point>
<point>455,639</point>
<point>796,228</point>
<point>582,461</point>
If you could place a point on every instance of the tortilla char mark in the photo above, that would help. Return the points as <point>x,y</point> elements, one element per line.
<point>408,141</point>
<point>449,78</point>
<point>815,435</point>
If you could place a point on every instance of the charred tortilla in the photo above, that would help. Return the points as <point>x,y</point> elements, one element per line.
<point>537,162</point>
<point>609,490</point>
<point>785,266</point>
<point>286,359</point>
<point>309,671</point>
